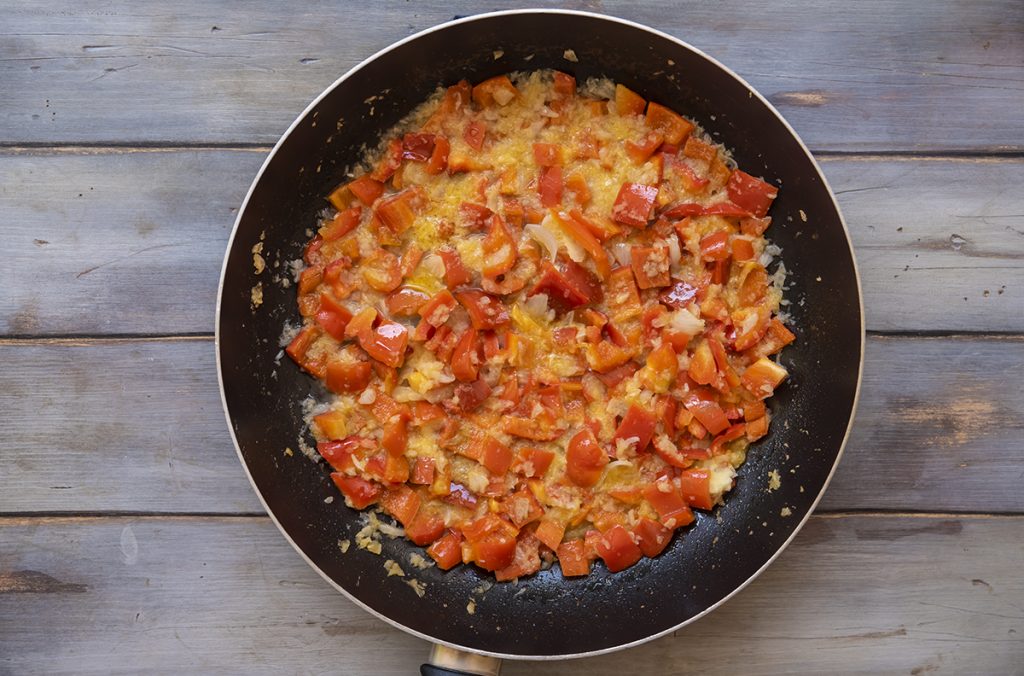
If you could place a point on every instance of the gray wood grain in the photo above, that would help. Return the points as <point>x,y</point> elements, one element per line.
<point>121,241</point>
<point>122,425</point>
<point>856,76</point>
<point>173,595</point>
<point>137,426</point>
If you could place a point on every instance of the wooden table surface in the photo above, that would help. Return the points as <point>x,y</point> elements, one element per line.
<point>130,540</point>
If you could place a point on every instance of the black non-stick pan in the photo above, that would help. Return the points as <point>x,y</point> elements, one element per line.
<point>543,616</point>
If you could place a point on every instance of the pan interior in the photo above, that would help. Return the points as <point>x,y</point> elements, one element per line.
<point>544,615</point>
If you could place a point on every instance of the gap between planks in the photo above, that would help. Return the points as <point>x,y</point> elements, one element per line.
<point>85,339</point>
<point>51,518</point>
<point>993,154</point>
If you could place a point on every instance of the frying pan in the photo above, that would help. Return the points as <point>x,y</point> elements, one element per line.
<point>538,618</point>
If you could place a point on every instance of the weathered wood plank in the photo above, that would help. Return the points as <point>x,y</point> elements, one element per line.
<point>121,595</point>
<point>127,425</point>
<point>127,242</point>
<point>879,75</point>
<point>939,243</point>
<point>117,242</point>
<point>137,426</point>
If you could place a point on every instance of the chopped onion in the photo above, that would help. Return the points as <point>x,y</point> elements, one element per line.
<point>622,252</point>
<point>434,264</point>
<point>503,96</point>
<point>575,251</point>
<point>684,321</point>
<point>544,237</point>
<point>537,305</point>
<point>673,249</point>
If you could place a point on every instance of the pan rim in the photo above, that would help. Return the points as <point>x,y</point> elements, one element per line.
<point>327,91</point>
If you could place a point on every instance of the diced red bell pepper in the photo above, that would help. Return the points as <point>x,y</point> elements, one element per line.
<point>547,155</point>
<point>567,287</point>
<point>471,395</point>
<point>522,508</point>
<point>526,560</point>
<point>576,184</point>
<point>425,528</point>
<point>497,89</point>
<point>565,86</point>
<point>497,457</point>
<point>640,151</point>
<point>550,186</point>
<point>465,359</point>
<point>668,501</point>
<point>381,271</point>
<point>752,194</point>
<point>604,356</point>
<point>390,162</point>
<point>550,532</point>
<point>703,369</point>
<point>331,424</point>
<point>775,338</point>
<point>395,437</point>
<point>361,324</point>
<point>742,249</point>
<point>398,212</point>
<point>699,150</point>
<point>387,343</point>
<point>638,423</point>
<point>673,126</point>
<point>461,496</point>
<point>731,434</point>
<point>485,311</point>
<point>396,469</point>
<point>499,249</point>
<point>661,369</point>
<point>673,456</point>
<point>617,549</point>
<point>474,135</point>
<point>726,209</point>
<point>572,559</point>
<point>474,216</point>
<point>584,459</point>
<point>333,316</point>
<point>602,230</point>
<point>366,189</point>
<point>762,377</point>
<point>628,102</point>
<point>695,485</point>
<point>437,309</point>
<point>534,462</point>
<point>343,223</point>
<point>708,413</point>
<point>653,537</point>
<point>417,147</point>
<point>542,427</point>
<point>715,247</point>
<point>650,266</point>
<point>634,204</point>
<point>492,541</point>
<point>447,550</point>
<point>422,471</point>
<point>359,493</point>
<point>339,453</point>
<point>348,377</point>
<point>406,301</point>
<point>455,273</point>
<point>580,234</point>
<point>402,503</point>
<point>438,161</point>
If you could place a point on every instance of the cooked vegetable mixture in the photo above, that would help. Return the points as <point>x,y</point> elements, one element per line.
<point>545,316</point>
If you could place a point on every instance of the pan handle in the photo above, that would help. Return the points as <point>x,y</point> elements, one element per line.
<point>445,661</point>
